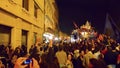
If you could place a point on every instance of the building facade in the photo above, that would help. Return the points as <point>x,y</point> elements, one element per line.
<point>22,22</point>
<point>51,17</point>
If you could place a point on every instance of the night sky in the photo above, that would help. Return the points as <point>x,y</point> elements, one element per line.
<point>80,11</point>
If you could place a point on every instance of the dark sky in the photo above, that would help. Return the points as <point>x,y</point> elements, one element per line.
<point>82,10</point>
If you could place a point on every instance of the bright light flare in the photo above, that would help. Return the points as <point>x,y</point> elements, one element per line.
<point>48,35</point>
<point>56,38</point>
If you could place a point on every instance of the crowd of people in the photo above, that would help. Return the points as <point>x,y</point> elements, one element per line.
<point>99,52</point>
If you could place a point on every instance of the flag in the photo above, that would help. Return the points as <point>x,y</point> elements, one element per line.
<point>111,28</point>
<point>75,25</point>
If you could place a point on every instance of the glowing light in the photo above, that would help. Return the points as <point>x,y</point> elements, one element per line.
<point>48,35</point>
<point>56,38</point>
<point>85,34</point>
<point>72,40</point>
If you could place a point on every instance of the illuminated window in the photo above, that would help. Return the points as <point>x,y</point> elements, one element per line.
<point>25,4</point>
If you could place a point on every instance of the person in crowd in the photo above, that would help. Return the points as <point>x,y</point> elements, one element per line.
<point>79,60</point>
<point>69,63</point>
<point>61,56</point>
<point>48,59</point>
<point>101,60</point>
<point>76,53</point>
<point>18,51</point>
<point>56,63</point>
<point>104,49</point>
<point>5,55</point>
<point>97,51</point>
<point>87,56</point>
<point>51,56</point>
<point>31,49</point>
<point>55,46</point>
<point>94,63</point>
<point>20,60</point>
<point>43,61</point>
<point>13,61</point>
<point>1,64</point>
<point>111,57</point>
<point>23,49</point>
<point>50,53</point>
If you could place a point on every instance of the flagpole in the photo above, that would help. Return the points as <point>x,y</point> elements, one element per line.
<point>75,25</point>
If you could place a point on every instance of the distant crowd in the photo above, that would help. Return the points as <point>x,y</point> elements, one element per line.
<point>99,52</point>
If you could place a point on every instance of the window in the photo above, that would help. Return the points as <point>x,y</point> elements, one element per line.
<point>5,35</point>
<point>35,10</point>
<point>25,4</point>
<point>35,37</point>
<point>24,37</point>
